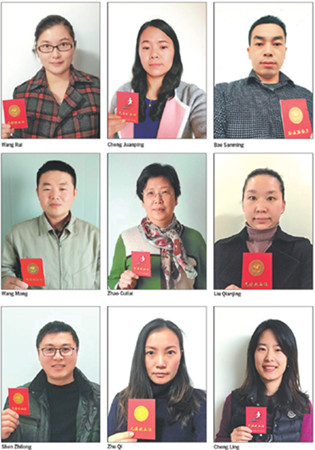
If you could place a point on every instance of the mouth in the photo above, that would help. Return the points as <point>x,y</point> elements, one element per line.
<point>268,64</point>
<point>155,65</point>
<point>261,219</point>
<point>58,366</point>
<point>160,374</point>
<point>55,205</point>
<point>270,368</point>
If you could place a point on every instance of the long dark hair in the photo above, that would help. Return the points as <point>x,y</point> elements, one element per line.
<point>171,79</point>
<point>183,402</point>
<point>289,392</point>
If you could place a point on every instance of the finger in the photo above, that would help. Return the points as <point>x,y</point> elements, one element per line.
<point>113,116</point>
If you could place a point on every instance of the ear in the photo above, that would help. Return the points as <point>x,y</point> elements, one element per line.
<point>37,192</point>
<point>283,207</point>
<point>248,52</point>
<point>75,192</point>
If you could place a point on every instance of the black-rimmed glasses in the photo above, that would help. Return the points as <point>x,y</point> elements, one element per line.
<point>51,351</point>
<point>48,48</point>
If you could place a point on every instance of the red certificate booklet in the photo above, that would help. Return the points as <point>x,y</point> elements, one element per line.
<point>256,419</point>
<point>15,113</point>
<point>141,418</point>
<point>19,400</point>
<point>141,263</point>
<point>33,271</point>
<point>257,271</point>
<point>128,106</point>
<point>295,119</point>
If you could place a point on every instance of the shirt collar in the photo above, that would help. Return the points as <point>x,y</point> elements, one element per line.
<point>283,79</point>
<point>76,76</point>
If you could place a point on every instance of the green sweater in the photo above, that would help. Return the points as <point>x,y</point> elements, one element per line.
<point>133,240</point>
<point>71,262</point>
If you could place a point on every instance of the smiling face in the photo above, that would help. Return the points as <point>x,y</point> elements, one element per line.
<point>156,52</point>
<point>59,369</point>
<point>162,355</point>
<point>267,51</point>
<point>263,203</point>
<point>270,361</point>
<point>56,194</point>
<point>159,201</point>
<point>56,63</point>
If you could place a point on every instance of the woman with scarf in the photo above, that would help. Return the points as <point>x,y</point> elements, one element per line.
<point>272,387</point>
<point>177,254</point>
<point>168,107</point>
<point>292,257</point>
<point>60,101</point>
<point>159,372</point>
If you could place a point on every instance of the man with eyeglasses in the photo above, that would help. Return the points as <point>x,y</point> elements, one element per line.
<point>64,404</point>
<point>68,247</point>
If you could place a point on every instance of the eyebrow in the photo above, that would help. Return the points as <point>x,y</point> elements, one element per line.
<point>46,41</point>
<point>62,345</point>
<point>166,348</point>
<point>63,183</point>
<point>262,343</point>
<point>274,38</point>
<point>160,40</point>
<point>268,192</point>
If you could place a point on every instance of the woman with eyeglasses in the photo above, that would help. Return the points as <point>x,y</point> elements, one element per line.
<point>61,101</point>
<point>171,255</point>
<point>272,387</point>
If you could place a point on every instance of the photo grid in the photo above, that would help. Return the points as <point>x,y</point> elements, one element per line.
<point>194,184</point>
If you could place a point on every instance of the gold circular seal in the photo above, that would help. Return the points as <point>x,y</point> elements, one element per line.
<point>33,268</point>
<point>295,115</point>
<point>14,110</point>
<point>256,267</point>
<point>18,398</point>
<point>141,413</point>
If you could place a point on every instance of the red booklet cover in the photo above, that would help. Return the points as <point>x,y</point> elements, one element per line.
<point>33,271</point>
<point>257,271</point>
<point>256,419</point>
<point>295,119</point>
<point>141,263</point>
<point>19,400</point>
<point>128,106</point>
<point>141,418</point>
<point>15,113</point>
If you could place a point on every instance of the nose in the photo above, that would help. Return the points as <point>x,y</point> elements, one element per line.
<point>55,53</point>
<point>261,206</point>
<point>160,361</point>
<point>154,53</point>
<point>269,355</point>
<point>158,197</point>
<point>268,49</point>
<point>54,193</point>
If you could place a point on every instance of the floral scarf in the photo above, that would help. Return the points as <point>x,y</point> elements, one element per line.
<point>173,254</point>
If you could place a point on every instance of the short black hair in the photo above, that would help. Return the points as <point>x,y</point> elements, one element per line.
<point>158,170</point>
<point>264,171</point>
<point>267,19</point>
<point>56,327</point>
<point>57,165</point>
<point>51,21</point>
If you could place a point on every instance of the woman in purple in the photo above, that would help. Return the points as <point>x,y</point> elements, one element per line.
<point>272,386</point>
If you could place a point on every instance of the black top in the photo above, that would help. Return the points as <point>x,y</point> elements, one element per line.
<point>63,404</point>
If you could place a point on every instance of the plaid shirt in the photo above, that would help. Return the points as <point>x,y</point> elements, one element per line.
<point>248,109</point>
<point>78,116</point>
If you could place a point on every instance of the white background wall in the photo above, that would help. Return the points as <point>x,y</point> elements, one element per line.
<point>124,206</point>
<point>188,21</point>
<point>232,24</point>
<point>192,322</point>
<point>20,326</point>
<point>234,327</point>
<point>19,21</point>
<point>231,171</point>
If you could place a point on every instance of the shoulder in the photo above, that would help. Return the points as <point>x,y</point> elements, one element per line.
<point>79,75</point>
<point>131,233</point>
<point>191,234</point>
<point>26,225</point>
<point>189,92</point>
<point>229,87</point>
<point>200,395</point>
<point>26,85</point>
<point>82,225</point>
<point>227,242</point>
<point>282,236</point>
<point>125,87</point>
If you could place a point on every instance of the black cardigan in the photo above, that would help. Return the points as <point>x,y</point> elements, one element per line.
<point>292,261</point>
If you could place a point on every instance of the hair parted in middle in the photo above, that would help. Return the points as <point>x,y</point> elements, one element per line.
<point>158,170</point>
<point>171,79</point>
<point>289,391</point>
<point>183,402</point>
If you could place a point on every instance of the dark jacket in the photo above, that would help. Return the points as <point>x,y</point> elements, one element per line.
<point>292,261</point>
<point>35,426</point>
<point>286,424</point>
<point>78,116</point>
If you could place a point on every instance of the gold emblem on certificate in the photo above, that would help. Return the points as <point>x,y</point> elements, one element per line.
<point>33,268</point>
<point>256,267</point>
<point>18,398</point>
<point>295,115</point>
<point>14,110</point>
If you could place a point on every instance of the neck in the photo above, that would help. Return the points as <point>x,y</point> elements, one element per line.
<point>57,80</point>
<point>62,382</point>
<point>272,387</point>
<point>154,85</point>
<point>272,80</point>
<point>58,222</point>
